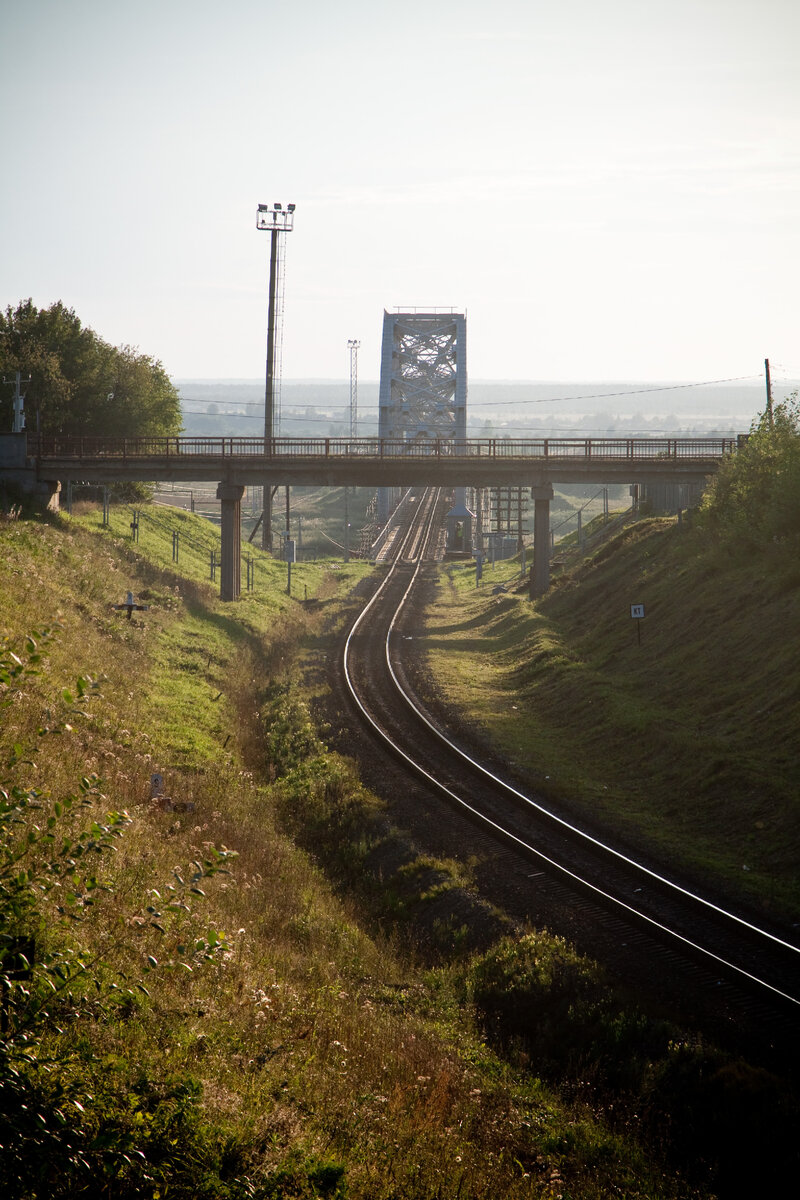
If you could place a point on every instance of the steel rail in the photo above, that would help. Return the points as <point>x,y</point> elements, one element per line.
<point>573,830</point>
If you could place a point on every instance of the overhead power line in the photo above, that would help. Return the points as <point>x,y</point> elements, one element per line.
<point>650,390</point>
<point>664,387</point>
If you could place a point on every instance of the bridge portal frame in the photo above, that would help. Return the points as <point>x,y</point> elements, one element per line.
<point>423,388</point>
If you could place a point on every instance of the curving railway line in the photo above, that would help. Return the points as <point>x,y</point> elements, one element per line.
<point>741,972</point>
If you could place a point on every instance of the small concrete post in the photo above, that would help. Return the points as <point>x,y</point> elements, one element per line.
<point>542,494</point>
<point>230,497</point>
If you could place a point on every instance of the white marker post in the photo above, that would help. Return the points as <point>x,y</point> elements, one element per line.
<point>637,614</point>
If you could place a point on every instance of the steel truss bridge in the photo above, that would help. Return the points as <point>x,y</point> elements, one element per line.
<point>381,462</point>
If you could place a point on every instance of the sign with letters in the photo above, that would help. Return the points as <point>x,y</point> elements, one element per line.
<point>637,611</point>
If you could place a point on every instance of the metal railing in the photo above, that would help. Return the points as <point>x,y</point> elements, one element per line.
<point>43,447</point>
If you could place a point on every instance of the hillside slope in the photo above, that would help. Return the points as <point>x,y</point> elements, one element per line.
<point>189,1009</point>
<point>681,736</point>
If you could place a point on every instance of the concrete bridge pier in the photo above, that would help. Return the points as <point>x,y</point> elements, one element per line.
<point>230,496</point>
<point>542,494</point>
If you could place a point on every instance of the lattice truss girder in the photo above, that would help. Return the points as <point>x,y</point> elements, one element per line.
<point>423,378</point>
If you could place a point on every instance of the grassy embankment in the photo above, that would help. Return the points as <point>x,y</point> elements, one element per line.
<point>684,743</point>
<point>189,1032</point>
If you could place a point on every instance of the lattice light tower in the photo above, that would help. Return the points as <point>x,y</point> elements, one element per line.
<point>353,345</point>
<point>423,391</point>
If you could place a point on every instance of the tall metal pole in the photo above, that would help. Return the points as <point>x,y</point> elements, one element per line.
<point>269,395</point>
<point>276,219</point>
<point>769,392</point>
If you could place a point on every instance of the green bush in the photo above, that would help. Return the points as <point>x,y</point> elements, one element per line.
<point>754,500</point>
<point>539,992</point>
<point>726,1118</point>
<point>289,734</point>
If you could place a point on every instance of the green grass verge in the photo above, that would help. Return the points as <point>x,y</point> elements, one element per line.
<point>228,1035</point>
<point>684,739</point>
<point>241,1035</point>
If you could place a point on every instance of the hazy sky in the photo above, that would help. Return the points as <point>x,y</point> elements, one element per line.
<point>610,188</point>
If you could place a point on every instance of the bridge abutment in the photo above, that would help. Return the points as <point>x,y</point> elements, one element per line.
<point>18,474</point>
<point>230,497</point>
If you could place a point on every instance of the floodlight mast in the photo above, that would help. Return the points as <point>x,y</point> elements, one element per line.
<point>353,344</point>
<point>276,219</point>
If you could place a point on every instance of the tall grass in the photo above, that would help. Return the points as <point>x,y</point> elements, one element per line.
<point>233,1031</point>
<point>684,738</point>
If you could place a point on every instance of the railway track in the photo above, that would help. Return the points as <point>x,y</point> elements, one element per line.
<point>721,960</point>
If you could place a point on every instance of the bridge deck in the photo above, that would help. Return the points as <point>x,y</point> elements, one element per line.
<point>369,462</point>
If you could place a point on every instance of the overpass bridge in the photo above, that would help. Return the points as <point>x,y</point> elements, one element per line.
<point>370,462</point>
<point>48,461</point>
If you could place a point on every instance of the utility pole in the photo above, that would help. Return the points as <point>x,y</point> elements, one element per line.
<point>276,220</point>
<point>18,422</point>
<point>288,514</point>
<point>769,393</point>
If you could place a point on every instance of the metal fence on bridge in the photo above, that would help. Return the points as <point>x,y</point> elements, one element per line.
<point>629,449</point>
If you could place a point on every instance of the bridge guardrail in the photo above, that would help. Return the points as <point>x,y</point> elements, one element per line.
<point>628,449</point>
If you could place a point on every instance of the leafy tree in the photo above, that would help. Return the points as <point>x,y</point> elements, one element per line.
<point>79,383</point>
<point>754,500</point>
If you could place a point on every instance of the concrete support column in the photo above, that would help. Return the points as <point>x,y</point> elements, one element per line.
<point>542,494</point>
<point>230,495</point>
